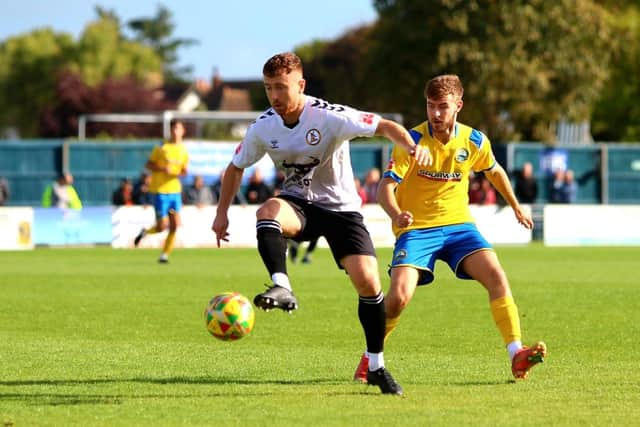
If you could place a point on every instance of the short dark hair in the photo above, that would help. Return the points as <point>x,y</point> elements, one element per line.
<point>174,122</point>
<point>444,85</point>
<point>282,63</point>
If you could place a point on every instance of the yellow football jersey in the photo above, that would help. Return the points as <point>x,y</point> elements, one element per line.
<point>437,195</point>
<point>176,158</point>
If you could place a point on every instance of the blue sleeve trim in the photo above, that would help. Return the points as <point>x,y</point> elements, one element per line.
<point>493,165</point>
<point>393,176</point>
<point>415,135</point>
<point>476,137</point>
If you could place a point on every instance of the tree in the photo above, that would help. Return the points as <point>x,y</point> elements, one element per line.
<point>27,66</point>
<point>30,63</point>
<point>74,97</point>
<point>156,32</point>
<point>332,68</point>
<point>103,52</point>
<point>616,116</point>
<point>524,64</point>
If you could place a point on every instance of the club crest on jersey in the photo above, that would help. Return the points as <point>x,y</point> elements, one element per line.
<point>462,155</point>
<point>313,137</point>
<point>274,143</point>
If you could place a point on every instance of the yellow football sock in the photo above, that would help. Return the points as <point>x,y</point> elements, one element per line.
<point>151,230</point>
<point>391,325</point>
<point>168,244</point>
<point>505,315</point>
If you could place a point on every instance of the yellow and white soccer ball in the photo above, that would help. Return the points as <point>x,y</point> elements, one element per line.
<point>229,316</point>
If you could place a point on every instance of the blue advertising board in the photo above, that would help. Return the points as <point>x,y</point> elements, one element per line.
<point>87,226</point>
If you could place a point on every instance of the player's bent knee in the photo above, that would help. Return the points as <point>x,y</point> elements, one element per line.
<point>367,288</point>
<point>399,301</point>
<point>497,275</point>
<point>273,209</point>
<point>266,211</point>
<point>394,306</point>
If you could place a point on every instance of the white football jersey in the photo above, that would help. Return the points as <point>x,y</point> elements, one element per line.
<point>314,155</point>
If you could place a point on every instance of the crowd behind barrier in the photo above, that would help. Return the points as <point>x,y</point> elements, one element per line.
<point>110,173</point>
<point>603,173</point>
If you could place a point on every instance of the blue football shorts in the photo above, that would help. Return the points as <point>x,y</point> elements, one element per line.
<point>165,203</point>
<point>421,248</point>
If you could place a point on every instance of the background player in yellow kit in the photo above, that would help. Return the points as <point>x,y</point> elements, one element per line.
<point>167,163</point>
<point>428,207</point>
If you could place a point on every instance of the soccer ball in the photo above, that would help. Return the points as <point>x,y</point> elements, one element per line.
<point>229,316</point>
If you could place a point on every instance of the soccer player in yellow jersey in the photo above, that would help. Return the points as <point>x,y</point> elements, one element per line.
<point>428,207</point>
<point>167,163</point>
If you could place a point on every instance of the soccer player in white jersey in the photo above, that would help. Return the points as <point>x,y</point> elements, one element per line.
<point>308,139</point>
<point>430,216</point>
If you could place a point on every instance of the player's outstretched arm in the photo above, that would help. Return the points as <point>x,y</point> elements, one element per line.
<point>387,199</point>
<point>500,180</point>
<point>399,135</point>
<point>229,187</point>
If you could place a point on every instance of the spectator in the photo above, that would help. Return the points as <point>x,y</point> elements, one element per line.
<point>4,191</point>
<point>481,192</point>
<point>556,193</point>
<point>238,199</point>
<point>61,194</point>
<point>198,194</point>
<point>489,193</point>
<point>277,185</point>
<point>257,191</point>
<point>475,189</point>
<point>123,195</point>
<point>371,180</point>
<point>141,194</point>
<point>526,184</point>
<point>570,188</point>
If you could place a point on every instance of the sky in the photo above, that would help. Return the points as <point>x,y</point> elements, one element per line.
<point>235,36</point>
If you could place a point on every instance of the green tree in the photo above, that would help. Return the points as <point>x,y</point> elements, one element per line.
<point>31,62</point>
<point>157,32</point>
<point>616,115</point>
<point>28,64</point>
<point>332,68</point>
<point>103,52</point>
<point>524,64</point>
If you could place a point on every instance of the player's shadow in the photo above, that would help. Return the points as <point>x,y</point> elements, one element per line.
<point>479,383</point>
<point>206,380</point>
<point>53,398</point>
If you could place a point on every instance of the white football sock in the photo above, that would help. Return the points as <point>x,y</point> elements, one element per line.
<point>376,361</point>
<point>513,348</point>
<point>281,279</point>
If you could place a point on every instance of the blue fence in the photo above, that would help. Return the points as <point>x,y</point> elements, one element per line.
<point>606,173</point>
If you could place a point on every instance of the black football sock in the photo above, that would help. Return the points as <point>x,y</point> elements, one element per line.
<point>272,246</point>
<point>312,246</point>
<point>371,315</point>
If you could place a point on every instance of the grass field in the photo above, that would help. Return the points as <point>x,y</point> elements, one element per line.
<point>104,337</point>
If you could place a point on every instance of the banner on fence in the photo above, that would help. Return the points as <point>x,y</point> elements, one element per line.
<point>16,225</point>
<point>497,224</point>
<point>580,225</point>
<point>86,226</point>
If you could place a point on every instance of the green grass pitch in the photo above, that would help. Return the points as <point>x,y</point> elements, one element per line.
<point>104,337</point>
